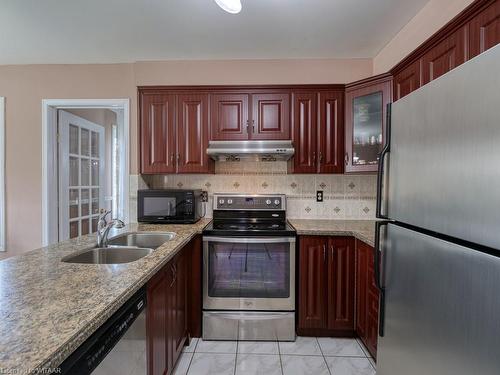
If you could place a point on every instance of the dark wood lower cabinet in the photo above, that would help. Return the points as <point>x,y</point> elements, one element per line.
<point>156,324</point>
<point>326,286</point>
<point>312,284</point>
<point>367,297</point>
<point>340,275</point>
<point>337,295</point>
<point>167,313</point>
<point>179,304</point>
<point>195,297</point>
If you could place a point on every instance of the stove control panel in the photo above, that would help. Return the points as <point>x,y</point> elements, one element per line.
<point>249,202</point>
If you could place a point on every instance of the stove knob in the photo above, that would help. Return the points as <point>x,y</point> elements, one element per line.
<point>268,202</point>
<point>221,201</point>
<point>229,201</point>
<point>276,202</point>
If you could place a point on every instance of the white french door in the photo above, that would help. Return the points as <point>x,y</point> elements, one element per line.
<point>81,174</point>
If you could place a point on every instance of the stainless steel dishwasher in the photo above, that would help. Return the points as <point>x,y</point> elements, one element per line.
<point>117,347</point>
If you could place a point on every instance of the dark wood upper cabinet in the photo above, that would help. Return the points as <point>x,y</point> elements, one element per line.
<point>331,132</point>
<point>443,57</point>
<point>407,80</point>
<point>312,282</point>
<point>341,271</point>
<point>247,115</point>
<point>326,286</point>
<point>318,131</point>
<point>173,132</point>
<point>192,133</point>
<point>229,117</point>
<point>484,30</point>
<point>366,111</point>
<point>270,116</point>
<point>473,31</point>
<point>305,131</point>
<point>157,133</point>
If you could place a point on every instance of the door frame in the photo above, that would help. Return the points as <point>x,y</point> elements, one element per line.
<point>49,158</point>
<point>2,175</point>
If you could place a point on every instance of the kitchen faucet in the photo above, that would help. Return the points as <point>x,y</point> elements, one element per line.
<point>103,228</point>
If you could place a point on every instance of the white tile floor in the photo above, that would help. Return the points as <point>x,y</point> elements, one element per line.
<point>307,355</point>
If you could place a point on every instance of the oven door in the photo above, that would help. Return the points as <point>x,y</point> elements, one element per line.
<point>254,273</point>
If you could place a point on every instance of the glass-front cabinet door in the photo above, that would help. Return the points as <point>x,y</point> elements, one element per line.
<point>366,111</point>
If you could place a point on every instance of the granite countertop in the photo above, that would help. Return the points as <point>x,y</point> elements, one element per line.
<point>48,308</point>
<point>363,230</point>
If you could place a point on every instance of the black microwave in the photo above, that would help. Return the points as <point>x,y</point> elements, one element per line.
<point>169,206</point>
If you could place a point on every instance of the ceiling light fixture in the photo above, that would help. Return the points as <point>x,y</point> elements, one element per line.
<point>230,6</point>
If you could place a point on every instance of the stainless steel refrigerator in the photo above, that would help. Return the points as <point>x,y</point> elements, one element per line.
<point>438,252</point>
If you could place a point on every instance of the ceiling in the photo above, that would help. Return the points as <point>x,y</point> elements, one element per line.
<point>108,31</point>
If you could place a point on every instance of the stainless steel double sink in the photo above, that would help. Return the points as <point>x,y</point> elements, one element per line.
<point>124,248</point>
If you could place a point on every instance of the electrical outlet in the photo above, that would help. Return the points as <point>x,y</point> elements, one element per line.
<point>204,196</point>
<point>319,196</point>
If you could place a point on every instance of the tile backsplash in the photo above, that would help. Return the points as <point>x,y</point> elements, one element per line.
<point>345,196</point>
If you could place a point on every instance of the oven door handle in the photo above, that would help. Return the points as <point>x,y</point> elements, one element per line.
<point>249,239</point>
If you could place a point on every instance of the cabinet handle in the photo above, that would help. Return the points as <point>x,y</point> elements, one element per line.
<point>253,126</point>
<point>324,253</point>
<point>320,157</point>
<point>314,158</point>
<point>248,126</point>
<point>172,159</point>
<point>333,251</point>
<point>346,158</point>
<point>172,270</point>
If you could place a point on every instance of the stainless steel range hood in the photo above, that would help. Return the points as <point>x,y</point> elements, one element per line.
<point>250,150</point>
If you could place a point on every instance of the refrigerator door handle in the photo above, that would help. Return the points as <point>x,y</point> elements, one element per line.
<point>377,257</point>
<point>380,174</point>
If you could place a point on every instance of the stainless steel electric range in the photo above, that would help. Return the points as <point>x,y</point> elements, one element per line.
<point>249,269</point>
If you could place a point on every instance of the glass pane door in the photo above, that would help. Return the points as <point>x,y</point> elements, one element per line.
<point>248,270</point>
<point>367,128</point>
<point>81,175</point>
